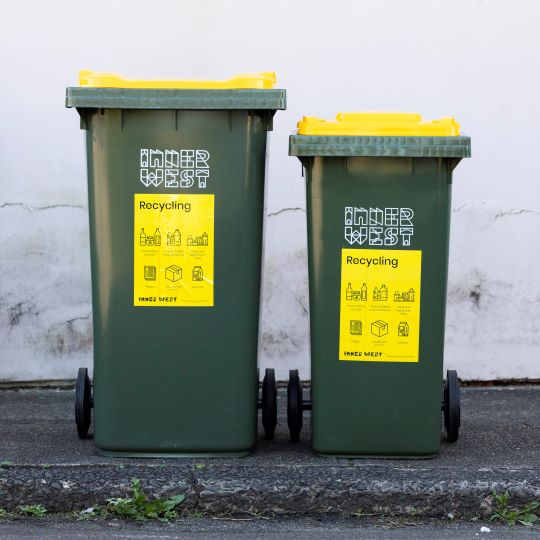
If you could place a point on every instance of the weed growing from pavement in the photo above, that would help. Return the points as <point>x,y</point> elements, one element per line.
<point>196,514</point>
<point>139,507</point>
<point>35,510</point>
<point>509,515</point>
<point>4,513</point>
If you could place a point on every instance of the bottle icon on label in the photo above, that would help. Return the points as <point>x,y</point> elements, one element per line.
<point>384,293</point>
<point>174,239</point>
<point>363,293</point>
<point>349,292</point>
<point>142,238</point>
<point>157,238</point>
<point>411,295</point>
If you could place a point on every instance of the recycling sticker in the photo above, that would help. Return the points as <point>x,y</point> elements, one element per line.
<point>380,305</point>
<point>173,263</point>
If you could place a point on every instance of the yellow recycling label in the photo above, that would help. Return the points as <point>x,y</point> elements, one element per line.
<point>173,250</point>
<point>380,305</point>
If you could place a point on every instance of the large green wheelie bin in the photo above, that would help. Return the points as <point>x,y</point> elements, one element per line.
<point>176,174</point>
<point>378,216</point>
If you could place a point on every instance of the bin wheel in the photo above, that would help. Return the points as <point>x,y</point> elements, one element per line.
<point>294,405</point>
<point>452,410</point>
<point>269,403</point>
<point>83,403</point>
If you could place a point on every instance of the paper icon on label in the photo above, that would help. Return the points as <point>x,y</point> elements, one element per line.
<point>355,328</point>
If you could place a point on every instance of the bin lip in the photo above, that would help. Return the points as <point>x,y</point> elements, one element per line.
<point>381,146</point>
<point>144,98</point>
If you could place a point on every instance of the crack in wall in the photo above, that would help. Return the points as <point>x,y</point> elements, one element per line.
<point>520,212</point>
<point>460,207</point>
<point>287,209</point>
<point>30,208</point>
<point>85,318</point>
<point>68,337</point>
<point>502,213</point>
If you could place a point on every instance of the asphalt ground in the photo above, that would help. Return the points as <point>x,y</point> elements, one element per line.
<point>267,529</point>
<point>43,461</point>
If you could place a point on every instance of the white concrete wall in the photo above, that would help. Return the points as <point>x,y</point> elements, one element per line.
<point>477,60</point>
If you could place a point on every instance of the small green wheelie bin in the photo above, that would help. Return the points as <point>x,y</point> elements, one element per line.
<point>378,216</point>
<point>176,175</point>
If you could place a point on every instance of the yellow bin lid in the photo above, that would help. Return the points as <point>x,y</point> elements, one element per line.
<point>94,79</point>
<point>379,124</point>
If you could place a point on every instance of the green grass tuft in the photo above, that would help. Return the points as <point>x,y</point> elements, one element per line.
<point>509,515</point>
<point>139,507</point>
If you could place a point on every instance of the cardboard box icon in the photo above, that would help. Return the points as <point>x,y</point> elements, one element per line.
<point>173,273</point>
<point>379,328</point>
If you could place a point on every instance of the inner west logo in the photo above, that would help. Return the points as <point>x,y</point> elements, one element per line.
<point>378,226</point>
<point>174,169</point>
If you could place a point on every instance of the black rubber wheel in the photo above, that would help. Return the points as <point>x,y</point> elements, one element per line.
<point>83,403</point>
<point>269,403</point>
<point>452,410</point>
<point>294,405</point>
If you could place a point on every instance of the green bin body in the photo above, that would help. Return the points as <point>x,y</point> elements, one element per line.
<point>383,397</point>
<point>176,305</point>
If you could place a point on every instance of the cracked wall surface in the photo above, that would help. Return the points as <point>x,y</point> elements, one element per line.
<point>493,292</point>
<point>284,332</point>
<point>45,302</point>
<point>493,301</point>
<point>493,309</point>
